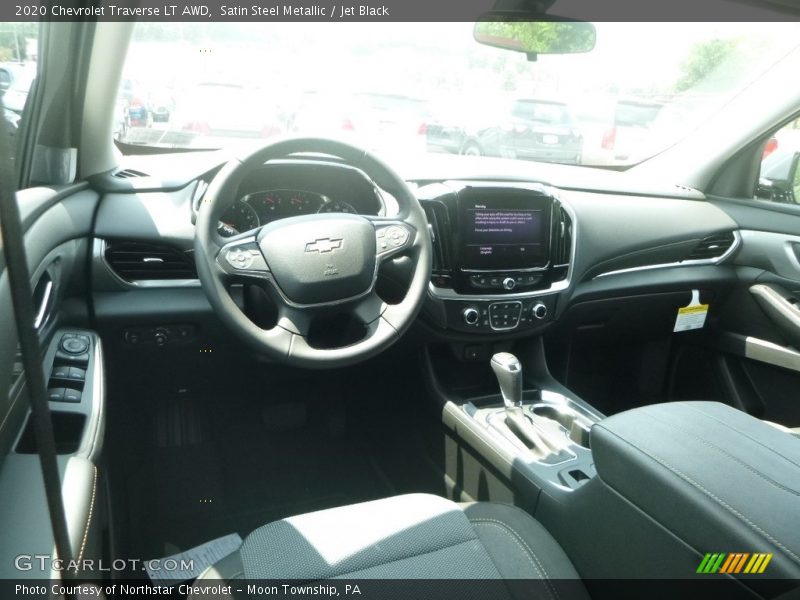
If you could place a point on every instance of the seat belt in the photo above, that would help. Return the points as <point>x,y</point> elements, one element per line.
<point>13,248</point>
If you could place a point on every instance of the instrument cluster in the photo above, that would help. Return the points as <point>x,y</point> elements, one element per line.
<point>264,206</point>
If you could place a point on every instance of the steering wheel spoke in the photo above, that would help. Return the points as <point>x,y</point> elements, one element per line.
<point>294,320</point>
<point>241,259</point>
<point>369,309</point>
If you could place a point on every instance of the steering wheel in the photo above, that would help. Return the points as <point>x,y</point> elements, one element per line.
<point>314,264</point>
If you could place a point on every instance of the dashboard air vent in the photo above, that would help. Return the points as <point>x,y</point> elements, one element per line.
<point>129,173</point>
<point>134,261</point>
<point>562,247</point>
<point>712,246</point>
<point>438,220</point>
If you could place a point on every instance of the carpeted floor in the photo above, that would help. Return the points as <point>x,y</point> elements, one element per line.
<point>187,468</point>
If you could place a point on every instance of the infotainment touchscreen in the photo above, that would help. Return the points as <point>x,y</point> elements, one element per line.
<point>499,233</point>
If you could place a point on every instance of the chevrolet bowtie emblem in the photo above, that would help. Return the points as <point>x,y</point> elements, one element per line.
<point>324,245</point>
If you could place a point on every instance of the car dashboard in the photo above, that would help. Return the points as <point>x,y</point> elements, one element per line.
<point>511,256</point>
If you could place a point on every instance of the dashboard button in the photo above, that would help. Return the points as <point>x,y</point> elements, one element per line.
<point>470,315</point>
<point>479,281</point>
<point>505,315</point>
<point>509,283</point>
<point>539,310</point>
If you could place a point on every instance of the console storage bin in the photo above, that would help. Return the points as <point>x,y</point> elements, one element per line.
<point>717,478</point>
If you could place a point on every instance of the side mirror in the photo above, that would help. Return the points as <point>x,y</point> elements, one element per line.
<point>501,30</point>
<point>780,178</point>
<point>796,179</point>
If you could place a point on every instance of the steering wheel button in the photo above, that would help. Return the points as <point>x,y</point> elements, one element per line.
<point>397,235</point>
<point>239,258</point>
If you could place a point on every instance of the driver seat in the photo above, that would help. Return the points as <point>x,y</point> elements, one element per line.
<point>415,536</point>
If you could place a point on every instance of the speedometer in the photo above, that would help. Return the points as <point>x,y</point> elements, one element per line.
<point>271,205</point>
<point>301,203</point>
<point>237,219</point>
<point>338,206</point>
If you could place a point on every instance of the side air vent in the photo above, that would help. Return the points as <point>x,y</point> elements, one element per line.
<point>562,244</point>
<point>129,173</point>
<point>439,222</point>
<point>134,261</point>
<point>712,246</point>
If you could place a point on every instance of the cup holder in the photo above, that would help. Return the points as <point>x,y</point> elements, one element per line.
<point>576,427</point>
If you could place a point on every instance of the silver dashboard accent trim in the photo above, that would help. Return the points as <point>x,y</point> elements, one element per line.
<point>449,294</point>
<point>771,251</point>
<point>737,241</point>
<point>528,270</point>
<point>559,286</point>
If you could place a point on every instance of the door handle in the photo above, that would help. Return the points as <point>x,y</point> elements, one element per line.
<point>782,308</point>
<point>43,294</point>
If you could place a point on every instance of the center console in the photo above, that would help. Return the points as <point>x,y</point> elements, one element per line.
<point>678,482</point>
<point>534,429</point>
<point>501,254</point>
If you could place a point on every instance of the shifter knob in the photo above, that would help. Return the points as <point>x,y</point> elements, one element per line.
<point>508,371</point>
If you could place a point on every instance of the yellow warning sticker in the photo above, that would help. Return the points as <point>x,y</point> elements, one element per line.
<point>690,310</point>
<point>692,316</point>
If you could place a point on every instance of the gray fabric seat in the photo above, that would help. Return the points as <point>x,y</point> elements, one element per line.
<point>795,431</point>
<point>407,537</point>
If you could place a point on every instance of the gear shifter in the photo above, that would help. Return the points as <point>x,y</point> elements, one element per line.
<point>508,371</point>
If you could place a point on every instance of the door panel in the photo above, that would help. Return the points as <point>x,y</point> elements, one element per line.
<point>758,330</point>
<point>57,227</point>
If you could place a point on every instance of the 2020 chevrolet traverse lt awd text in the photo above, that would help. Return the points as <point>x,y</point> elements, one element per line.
<point>261,360</point>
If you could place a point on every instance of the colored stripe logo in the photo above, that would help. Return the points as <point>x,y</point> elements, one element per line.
<point>734,562</point>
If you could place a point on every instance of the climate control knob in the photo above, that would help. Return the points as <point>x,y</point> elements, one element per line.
<point>471,315</point>
<point>539,311</point>
<point>160,337</point>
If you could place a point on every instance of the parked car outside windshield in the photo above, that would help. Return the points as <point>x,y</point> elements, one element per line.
<point>431,88</point>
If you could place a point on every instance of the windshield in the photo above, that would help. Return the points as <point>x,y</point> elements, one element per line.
<point>430,88</point>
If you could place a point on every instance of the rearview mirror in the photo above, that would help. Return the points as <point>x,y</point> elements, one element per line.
<point>535,37</point>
